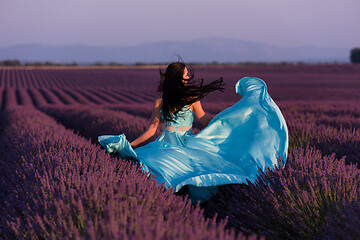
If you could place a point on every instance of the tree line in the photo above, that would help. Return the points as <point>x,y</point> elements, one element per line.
<point>354,58</point>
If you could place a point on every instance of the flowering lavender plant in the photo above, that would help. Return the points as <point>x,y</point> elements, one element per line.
<point>55,184</point>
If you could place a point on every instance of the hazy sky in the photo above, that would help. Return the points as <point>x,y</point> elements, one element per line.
<point>129,22</point>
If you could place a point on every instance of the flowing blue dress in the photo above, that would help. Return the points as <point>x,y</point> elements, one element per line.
<point>237,143</point>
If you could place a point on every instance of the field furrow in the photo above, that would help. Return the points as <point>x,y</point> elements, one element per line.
<point>120,98</point>
<point>59,80</point>
<point>139,97</point>
<point>63,96</point>
<point>24,98</point>
<point>50,97</point>
<point>44,82</point>
<point>37,79</point>
<point>37,98</point>
<point>49,79</point>
<point>132,96</point>
<point>78,81</point>
<point>91,122</point>
<point>106,98</point>
<point>77,96</point>
<point>70,80</point>
<point>136,109</point>
<point>26,79</point>
<point>90,96</point>
<point>10,79</point>
<point>146,96</point>
<point>33,81</point>
<point>16,80</point>
<point>22,79</point>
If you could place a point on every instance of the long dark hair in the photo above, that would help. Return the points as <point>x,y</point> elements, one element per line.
<point>176,94</point>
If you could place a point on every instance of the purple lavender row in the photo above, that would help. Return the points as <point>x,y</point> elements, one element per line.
<point>338,74</point>
<point>28,97</point>
<point>339,122</point>
<point>284,82</point>
<point>304,111</point>
<point>9,98</point>
<point>295,202</point>
<point>35,78</point>
<point>55,184</point>
<point>43,96</point>
<point>340,116</point>
<point>328,126</point>
<point>342,142</point>
<point>91,122</point>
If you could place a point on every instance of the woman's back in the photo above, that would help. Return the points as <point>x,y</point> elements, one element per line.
<point>183,118</point>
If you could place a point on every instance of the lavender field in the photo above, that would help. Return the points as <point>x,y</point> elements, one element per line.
<point>58,183</point>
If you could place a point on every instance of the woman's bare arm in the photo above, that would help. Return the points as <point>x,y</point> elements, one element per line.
<point>154,123</point>
<point>200,114</point>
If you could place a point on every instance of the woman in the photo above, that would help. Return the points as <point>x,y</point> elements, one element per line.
<point>179,103</point>
<point>238,142</point>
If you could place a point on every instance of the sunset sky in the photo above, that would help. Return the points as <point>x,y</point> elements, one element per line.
<point>333,23</point>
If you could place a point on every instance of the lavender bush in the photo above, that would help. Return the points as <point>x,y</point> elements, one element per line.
<point>342,142</point>
<point>342,223</point>
<point>56,184</point>
<point>292,202</point>
<point>92,122</point>
<point>328,126</point>
<point>9,97</point>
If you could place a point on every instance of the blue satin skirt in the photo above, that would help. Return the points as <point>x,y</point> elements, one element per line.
<point>238,142</point>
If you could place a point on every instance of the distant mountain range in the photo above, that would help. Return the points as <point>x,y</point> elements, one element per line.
<point>202,51</point>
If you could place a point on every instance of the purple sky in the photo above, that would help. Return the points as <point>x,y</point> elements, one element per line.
<point>129,22</point>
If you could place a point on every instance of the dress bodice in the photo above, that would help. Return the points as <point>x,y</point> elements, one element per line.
<point>184,118</point>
